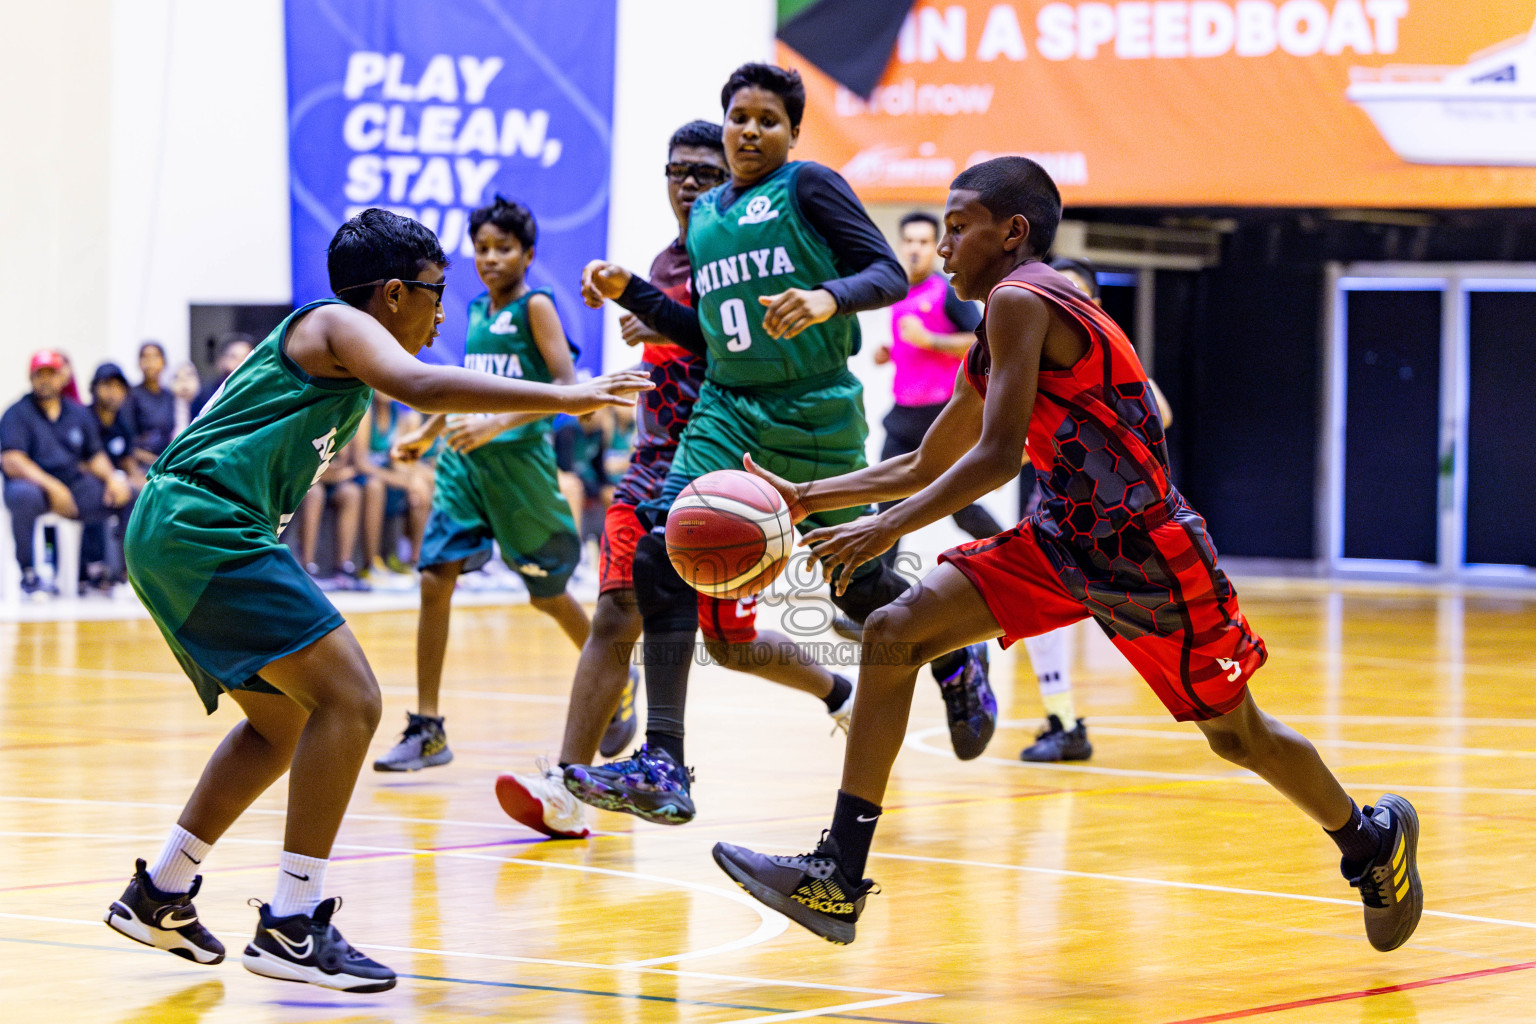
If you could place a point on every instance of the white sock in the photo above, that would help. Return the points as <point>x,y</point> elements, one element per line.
<point>1051,656</point>
<point>178,862</point>
<point>299,881</point>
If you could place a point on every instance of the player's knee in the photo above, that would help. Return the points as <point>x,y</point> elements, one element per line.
<point>666,602</point>
<point>871,591</point>
<point>1230,745</point>
<point>721,652</point>
<point>615,617</point>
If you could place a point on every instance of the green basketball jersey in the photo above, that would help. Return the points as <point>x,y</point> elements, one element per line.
<point>502,343</point>
<point>269,432</point>
<point>760,246</point>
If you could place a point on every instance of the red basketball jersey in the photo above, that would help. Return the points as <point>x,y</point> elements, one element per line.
<point>1095,433</point>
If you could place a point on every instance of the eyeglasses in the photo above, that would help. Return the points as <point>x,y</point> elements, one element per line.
<point>704,174</point>
<point>435,287</point>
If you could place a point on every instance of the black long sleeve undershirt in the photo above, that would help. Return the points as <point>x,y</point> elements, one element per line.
<point>830,207</point>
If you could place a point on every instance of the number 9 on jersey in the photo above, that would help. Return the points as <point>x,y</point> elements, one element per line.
<point>733,319</point>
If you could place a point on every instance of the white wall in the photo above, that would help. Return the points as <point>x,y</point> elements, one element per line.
<point>53,184</point>
<point>199,185</point>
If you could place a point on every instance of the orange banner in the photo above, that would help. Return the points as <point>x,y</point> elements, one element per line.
<point>1399,103</point>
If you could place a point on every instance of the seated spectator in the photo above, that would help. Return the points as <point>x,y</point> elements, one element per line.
<point>151,409</point>
<point>53,460</point>
<point>110,401</point>
<point>394,489</point>
<point>184,388</point>
<point>342,488</point>
<point>109,398</point>
<point>233,349</point>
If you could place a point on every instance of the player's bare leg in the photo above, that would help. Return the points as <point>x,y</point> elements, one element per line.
<point>540,800</point>
<point>825,890</point>
<point>330,679</point>
<point>252,756</point>
<point>568,614</point>
<point>942,614</point>
<point>1282,757</point>
<point>1379,844</point>
<point>424,743</point>
<point>437,583</point>
<point>601,674</point>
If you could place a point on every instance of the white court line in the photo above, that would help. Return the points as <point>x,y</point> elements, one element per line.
<point>1401,748</point>
<point>918,740</point>
<point>827,1011</point>
<point>1164,883</point>
<point>1438,722</point>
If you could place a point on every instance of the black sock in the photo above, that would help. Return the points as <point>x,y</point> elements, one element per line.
<point>841,688</point>
<point>670,742</point>
<point>853,829</point>
<point>1359,840</point>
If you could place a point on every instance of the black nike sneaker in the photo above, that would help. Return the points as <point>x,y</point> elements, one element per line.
<point>308,949</point>
<point>1055,743</point>
<point>1389,885</point>
<point>811,889</point>
<point>164,920</point>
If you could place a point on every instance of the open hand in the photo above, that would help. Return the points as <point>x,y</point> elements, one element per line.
<point>610,389</point>
<point>793,494</point>
<point>842,549</point>
<point>602,280</point>
<point>795,309</point>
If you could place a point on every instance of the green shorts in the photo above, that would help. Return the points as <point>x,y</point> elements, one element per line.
<point>508,493</point>
<point>808,431</point>
<point>227,595</point>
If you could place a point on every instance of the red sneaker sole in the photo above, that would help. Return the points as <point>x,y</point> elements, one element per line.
<point>522,807</point>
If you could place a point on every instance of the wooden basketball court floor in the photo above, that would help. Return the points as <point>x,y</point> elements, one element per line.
<point>1151,884</point>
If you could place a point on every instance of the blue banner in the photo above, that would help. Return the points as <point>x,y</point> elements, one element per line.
<point>430,110</point>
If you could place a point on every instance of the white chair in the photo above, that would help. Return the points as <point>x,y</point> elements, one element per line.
<point>67,537</point>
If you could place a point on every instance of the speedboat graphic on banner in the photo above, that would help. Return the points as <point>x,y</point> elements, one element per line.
<point>1482,113</point>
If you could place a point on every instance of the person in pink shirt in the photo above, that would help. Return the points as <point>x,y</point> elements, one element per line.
<point>931,330</point>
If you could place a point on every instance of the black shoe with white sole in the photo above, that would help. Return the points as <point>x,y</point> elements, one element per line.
<point>164,920</point>
<point>308,949</point>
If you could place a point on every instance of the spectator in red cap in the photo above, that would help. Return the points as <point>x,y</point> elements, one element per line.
<point>53,460</point>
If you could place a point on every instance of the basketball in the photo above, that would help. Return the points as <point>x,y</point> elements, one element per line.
<point>729,534</point>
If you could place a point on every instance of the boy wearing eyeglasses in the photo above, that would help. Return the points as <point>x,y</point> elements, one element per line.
<point>497,479</point>
<point>245,621</point>
<point>695,165</point>
<point>783,256</point>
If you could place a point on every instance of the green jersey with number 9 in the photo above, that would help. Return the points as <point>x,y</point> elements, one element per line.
<point>760,246</point>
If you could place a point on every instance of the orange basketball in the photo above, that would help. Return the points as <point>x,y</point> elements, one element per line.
<point>729,534</point>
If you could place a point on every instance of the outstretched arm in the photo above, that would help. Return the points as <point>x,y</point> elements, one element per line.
<point>1017,321</point>
<point>954,432</point>
<point>363,348</point>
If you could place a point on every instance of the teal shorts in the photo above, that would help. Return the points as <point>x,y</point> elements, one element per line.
<point>508,493</point>
<point>228,596</point>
